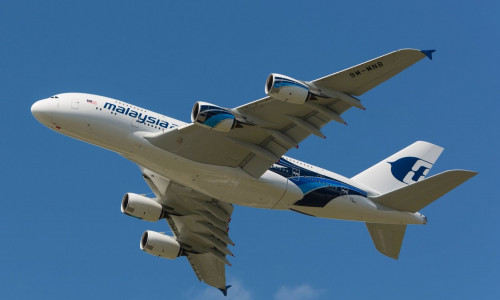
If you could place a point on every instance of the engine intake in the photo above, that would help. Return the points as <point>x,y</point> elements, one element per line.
<point>213,116</point>
<point>161,245</point>
<point>141,207</point>
<point>287,89</point>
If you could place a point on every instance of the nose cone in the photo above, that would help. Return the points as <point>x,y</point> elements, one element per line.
<point>41,111</point>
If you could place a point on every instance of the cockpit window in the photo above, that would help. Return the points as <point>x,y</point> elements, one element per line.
<point>54,97</point>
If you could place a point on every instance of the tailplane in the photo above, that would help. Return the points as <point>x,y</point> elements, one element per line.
<point>401,169</point>
<point>413,198</point>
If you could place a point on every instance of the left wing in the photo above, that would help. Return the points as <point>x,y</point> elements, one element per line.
<point>199,223</point>
<point>257,134</point>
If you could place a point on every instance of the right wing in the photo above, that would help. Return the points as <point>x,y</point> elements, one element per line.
<point>269,127</point>
<point>199,223</point>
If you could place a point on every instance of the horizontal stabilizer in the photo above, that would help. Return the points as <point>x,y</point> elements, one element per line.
<point>387,238</point>
<point>414,197</point>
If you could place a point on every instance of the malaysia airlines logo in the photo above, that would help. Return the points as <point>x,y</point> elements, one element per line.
<point>140,117</point>
<point>410,169</point>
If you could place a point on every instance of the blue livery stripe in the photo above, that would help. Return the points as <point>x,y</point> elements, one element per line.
<point>318,190</point>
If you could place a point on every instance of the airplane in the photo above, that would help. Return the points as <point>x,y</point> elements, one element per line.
<point>227,157</point>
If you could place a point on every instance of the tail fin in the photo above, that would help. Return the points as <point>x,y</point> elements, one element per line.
<point>401,169</point>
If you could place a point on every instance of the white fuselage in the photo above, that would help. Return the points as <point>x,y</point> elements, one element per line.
<point>121,127</point>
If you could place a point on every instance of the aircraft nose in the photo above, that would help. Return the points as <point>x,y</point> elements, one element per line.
<point>41,110</point>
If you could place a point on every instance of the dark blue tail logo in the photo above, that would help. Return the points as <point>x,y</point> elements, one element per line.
<point>410,169</point>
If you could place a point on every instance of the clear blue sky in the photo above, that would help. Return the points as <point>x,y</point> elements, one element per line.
<point>63,235</point>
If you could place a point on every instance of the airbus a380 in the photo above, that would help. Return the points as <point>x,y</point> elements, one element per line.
<point>226,156</point>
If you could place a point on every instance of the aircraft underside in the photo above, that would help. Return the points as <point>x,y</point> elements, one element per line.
<point>227,156</point>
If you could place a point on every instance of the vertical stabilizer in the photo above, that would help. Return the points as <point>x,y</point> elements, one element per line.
<point>406,167</point>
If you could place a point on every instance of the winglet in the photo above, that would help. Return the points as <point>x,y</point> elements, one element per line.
<point>224,291</point>
<point>428,53</point>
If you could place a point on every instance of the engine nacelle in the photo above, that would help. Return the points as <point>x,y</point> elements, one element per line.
<point>213,116</point>
<point>287,89</point>
<point>161,245</point>
<point>141,207</point>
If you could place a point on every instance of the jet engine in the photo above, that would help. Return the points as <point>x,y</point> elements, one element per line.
<point>213,116</point>
<point>141,207</point>
<point>161,245</point>
<point>287,89</point>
